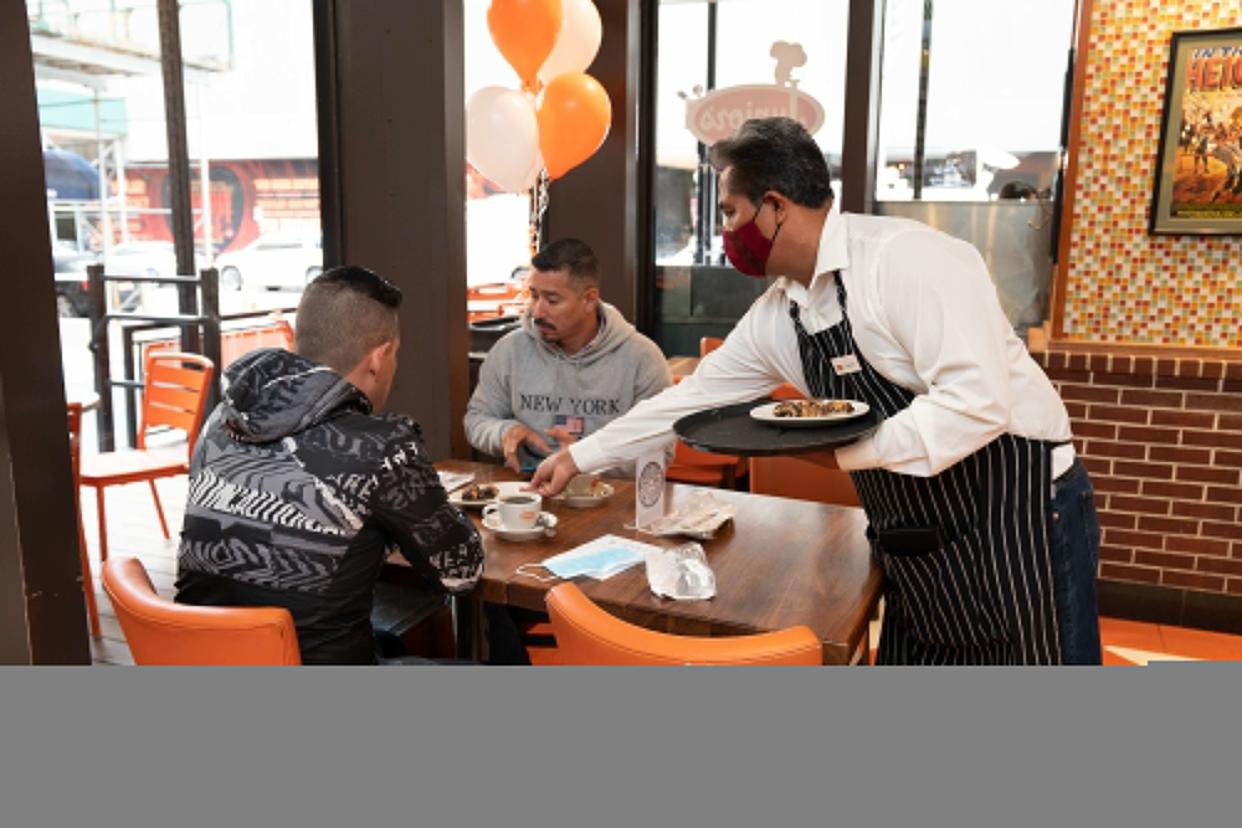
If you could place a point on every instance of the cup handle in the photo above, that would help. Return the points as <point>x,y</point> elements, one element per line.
<point>489,510</point>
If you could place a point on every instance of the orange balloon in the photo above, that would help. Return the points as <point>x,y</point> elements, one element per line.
<point>574,117</point>
<point>525,31</point>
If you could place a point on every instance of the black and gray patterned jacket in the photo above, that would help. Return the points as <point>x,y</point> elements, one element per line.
<point>297,492</point>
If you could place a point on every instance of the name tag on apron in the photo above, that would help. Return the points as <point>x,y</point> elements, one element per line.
<point>847,364</point>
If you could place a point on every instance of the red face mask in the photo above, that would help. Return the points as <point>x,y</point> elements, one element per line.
<point>748,250</point>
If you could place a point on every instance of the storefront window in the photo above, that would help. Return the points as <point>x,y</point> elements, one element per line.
<point>497,222</point>
<point>250,128</point>
<point>717,65</point>
<point>709,47</point>
<point>995,91</point>
<point>252,137</point>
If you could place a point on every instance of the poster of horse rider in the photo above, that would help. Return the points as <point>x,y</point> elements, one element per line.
<point>1198,188</point>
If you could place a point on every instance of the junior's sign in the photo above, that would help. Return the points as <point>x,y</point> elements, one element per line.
<point>719,113</point>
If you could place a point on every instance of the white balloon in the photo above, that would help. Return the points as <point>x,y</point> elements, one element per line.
<point>502,137</point>
<point>533,177</point>
<point>578,42</point>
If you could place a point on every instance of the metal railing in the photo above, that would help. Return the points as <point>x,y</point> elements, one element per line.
<point>207,319</point>
<point>132,346</point>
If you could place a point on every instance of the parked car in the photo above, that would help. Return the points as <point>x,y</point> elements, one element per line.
<point>141,258</point>
<point>73,283</point>
<point>69,266</point>
<point>277,261</point>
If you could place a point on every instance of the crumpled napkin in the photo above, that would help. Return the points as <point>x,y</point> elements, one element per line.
<point>700,517</point>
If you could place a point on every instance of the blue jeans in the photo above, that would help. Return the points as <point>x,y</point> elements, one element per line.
<point>1075,548</point>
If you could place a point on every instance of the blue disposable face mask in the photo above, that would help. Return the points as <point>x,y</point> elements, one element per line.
<point>599,563</point>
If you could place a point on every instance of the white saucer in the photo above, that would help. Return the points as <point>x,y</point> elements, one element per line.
<point>546,527</point>
<point>601,493</point>
<point>503,487</point>
<point>764,413</point>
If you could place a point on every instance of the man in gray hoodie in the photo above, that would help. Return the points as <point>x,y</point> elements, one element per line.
<point>575,365</point>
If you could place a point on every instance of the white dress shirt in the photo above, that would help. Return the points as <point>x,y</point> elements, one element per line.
<point>924,314</point>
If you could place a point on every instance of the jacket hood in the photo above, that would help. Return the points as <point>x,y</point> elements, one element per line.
<point>273,394</point>
<point>614,331</point>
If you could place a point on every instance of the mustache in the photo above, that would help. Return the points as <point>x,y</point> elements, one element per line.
<point>541,323</point>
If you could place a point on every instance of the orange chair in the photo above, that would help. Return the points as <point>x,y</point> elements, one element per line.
<point>161,632</point>
<point>74,412</point>
<point>586,634</point>
<point>801,479</point>
<point>494,292</point>
<point>174,395</point>
<point>284,329</point>
<point>704,468</point>
<point>787,392</point>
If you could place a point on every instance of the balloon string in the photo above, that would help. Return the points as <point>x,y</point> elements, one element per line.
<point>538,209</point>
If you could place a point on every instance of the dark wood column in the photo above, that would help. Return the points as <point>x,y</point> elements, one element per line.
<point>598,202</point>
<point>862,105</point>
<point>392,169</point>
<point>42,615</point>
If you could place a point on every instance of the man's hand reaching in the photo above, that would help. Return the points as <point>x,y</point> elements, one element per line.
<point>515,437</point>
<point>554,474</point>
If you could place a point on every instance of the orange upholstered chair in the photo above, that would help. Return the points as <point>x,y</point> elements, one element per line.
<point>161,632</point>
<point>74,413</point>
<point>175,389</point>
<point>586,634</point>
<point>801,479</point>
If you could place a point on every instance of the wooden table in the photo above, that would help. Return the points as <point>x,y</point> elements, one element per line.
<point>779,563</point>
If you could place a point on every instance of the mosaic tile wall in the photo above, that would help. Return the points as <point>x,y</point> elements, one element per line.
<point>1124,285</point>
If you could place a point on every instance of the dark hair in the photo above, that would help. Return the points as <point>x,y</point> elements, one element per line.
<point>776,154</point>
<point>364,281</point>
<point>344,314</point>
<point>569,254</point>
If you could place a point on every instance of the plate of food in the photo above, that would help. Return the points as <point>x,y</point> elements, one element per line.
<point>478,495</point>
<point>584,491</point>
<point>808,413</point>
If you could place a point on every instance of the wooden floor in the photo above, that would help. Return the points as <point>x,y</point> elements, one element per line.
<point>133,530</point>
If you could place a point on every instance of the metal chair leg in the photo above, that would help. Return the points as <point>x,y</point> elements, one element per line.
<point>88,582</point>
<point>159,509</point>
<point>103,523</point>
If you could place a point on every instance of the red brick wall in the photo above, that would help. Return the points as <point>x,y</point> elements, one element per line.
<point>1162,438</point>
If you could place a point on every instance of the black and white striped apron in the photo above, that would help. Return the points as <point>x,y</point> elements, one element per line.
<point>985,596</point>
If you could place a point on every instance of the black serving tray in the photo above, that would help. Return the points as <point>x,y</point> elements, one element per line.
<point>731,430</point>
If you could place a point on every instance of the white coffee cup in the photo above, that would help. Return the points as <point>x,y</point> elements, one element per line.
<point>518,511</point>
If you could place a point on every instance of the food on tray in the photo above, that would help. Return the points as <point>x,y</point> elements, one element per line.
<point>812,408</point>
<point>476,492</point>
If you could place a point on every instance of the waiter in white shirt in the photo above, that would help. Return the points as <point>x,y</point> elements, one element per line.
<point>980,515</point>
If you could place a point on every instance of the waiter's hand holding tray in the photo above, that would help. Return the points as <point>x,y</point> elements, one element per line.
<point>762,428</point>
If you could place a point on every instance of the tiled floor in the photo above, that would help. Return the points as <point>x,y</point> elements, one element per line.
<point>1128,643</point>
<point>134,530</point>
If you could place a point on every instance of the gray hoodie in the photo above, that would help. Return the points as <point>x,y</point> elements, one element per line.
<point>526,380</point>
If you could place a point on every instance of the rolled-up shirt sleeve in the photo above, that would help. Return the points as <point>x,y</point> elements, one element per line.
<point>737,371</point>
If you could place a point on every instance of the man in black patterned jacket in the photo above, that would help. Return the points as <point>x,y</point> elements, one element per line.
<point>298,489</point>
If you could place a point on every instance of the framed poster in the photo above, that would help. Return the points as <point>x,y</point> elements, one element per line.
<point>1198,188</point>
